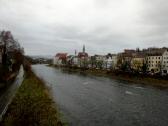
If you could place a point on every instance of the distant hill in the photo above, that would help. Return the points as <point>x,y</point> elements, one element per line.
<point>41,56</point>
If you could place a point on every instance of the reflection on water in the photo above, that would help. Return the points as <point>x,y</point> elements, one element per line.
<point>87,100</point>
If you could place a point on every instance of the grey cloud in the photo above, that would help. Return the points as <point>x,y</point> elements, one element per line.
<point>155,12</point>
<point>154,19</point>
<point>62,26</point>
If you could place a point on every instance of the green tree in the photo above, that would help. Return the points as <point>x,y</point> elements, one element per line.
<point>100,64</point>
<point>144,68</point>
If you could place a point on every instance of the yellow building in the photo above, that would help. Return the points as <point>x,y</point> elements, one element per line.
<point>137,62</point>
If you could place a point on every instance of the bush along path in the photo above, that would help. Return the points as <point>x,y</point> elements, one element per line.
<point>32,105</point>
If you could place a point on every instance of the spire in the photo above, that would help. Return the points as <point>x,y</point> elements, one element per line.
<point>75,52</point>
<point>83,48</point>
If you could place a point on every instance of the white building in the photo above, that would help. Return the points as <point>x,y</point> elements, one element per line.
<point>111,61</point>
<point>154,62</point>
<point>75,61</point>
<point>114,60</point>
<point>165,63</point>
<point>108,62</point>
<point>158,61</point>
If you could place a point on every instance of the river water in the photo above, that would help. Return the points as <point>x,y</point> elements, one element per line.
<point>87,100</point>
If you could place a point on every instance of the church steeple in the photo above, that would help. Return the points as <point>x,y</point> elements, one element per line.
<point>83,48</point>
<point>75,52</point>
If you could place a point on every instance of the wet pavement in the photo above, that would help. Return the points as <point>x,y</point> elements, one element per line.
<point>7,93</point>
<point>87,100</point>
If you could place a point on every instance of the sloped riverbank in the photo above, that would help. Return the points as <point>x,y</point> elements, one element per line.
<point>145,80</point>
<point>32,105</point>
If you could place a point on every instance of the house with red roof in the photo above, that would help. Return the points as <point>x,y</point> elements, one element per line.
<point>82,55</point>
<point>60,59</point>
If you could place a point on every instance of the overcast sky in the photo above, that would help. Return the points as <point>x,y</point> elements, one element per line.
<point>45,27</point>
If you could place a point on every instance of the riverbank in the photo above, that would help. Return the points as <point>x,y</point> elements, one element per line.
<point>145,80</point>
<point>32,105</point>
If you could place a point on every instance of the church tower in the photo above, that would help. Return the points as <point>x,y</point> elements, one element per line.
<point>83,48</point>
<point>75,52</point>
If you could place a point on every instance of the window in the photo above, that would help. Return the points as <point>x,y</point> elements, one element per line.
<point>156,61</point>
<point>159,57</point>
<point>152,57</point>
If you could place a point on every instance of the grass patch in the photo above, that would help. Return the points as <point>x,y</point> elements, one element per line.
<point>32,105</point>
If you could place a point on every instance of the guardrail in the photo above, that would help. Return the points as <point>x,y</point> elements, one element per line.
<point>10,92</point>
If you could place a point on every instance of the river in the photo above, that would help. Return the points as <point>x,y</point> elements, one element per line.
<point>87,100</point>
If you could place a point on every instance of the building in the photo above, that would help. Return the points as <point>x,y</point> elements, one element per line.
<point>107,61</point>
<point>100,57</point>
<point>114,59</point>
<point>138,61</point>
<point>154,62</point>
<point>124,59</point>
<point>75,61</point>
<point>83,54</point>
<point>129,51</point>
<point>165,62</point>
<point>83,58</point>
<point>60,59</point>
<point>127,55</point>
<point>110,61</point>
<point>69,60</point>
<point>155,59</point>
<point>98,61</point>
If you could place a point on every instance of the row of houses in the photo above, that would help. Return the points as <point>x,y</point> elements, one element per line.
<point>151,60</point>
